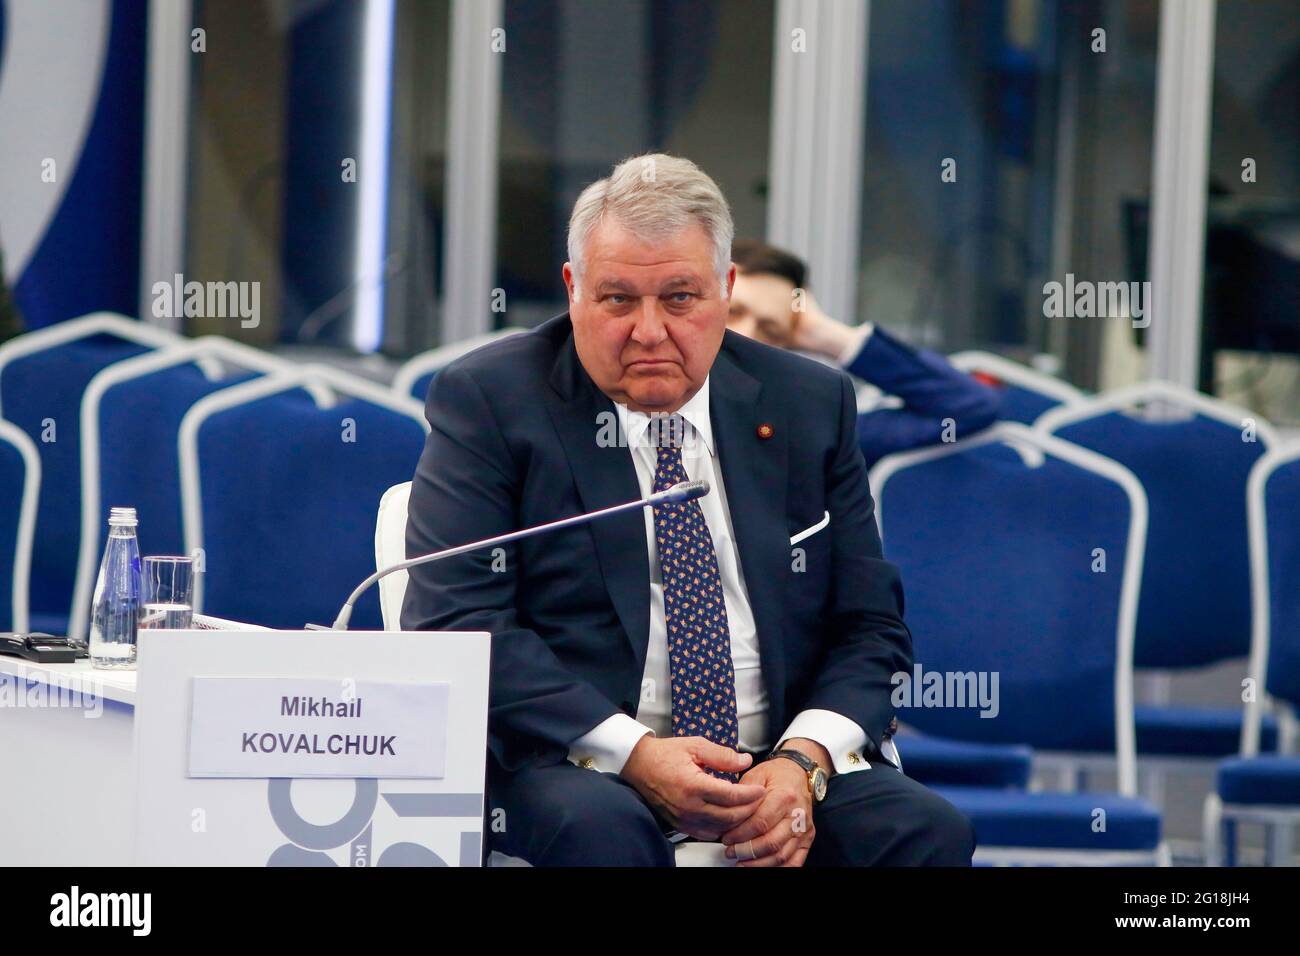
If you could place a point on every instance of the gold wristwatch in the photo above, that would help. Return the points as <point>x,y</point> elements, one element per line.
<point>816,775</point>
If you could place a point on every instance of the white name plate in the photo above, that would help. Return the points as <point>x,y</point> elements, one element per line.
<point>317,727</point>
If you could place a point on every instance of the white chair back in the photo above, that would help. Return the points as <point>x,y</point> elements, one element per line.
<point>435,360</point>
<point>390,548</point>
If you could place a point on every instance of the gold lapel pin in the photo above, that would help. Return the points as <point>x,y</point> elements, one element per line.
<point>765,431</point>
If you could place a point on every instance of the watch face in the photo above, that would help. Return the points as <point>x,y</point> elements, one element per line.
<point>819,784</point>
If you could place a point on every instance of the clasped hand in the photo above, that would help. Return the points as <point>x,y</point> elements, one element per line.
<point>764,820</point>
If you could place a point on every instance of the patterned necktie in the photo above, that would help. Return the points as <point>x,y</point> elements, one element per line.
<point>699,642</point>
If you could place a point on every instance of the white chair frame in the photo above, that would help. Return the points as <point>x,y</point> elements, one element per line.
<point>1278,821</point>
<point>11,433</point>
<point>434,359</point>
<point>98,323</point>
<point>322,382</point>
<point>390,548</point>
<point>1033,445</point>
<point>212,354</point>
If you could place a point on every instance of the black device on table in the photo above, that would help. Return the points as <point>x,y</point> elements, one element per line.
<point>41,648</point>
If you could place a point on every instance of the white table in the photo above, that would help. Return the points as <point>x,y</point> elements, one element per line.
<point>68,772</point>
<point>67,764</point>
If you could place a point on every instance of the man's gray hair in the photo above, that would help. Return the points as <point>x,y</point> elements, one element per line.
<point>654,196</point>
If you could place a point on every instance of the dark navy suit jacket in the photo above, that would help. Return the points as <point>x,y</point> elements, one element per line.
<point>932,390</point>
<point>515,442</point>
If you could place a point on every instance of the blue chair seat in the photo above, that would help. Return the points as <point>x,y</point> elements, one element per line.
<point>1011,818</point>
<point>936,761</point>
<point>1177,731</point>
<point>1260,780</point>
<point>1024,405</point>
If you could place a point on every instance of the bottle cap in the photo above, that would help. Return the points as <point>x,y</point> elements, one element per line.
<point>122,518</point>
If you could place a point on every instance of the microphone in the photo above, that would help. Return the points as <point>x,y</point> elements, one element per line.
<point>679,493</point>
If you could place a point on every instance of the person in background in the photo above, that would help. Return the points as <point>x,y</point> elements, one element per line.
<point>940,403</point>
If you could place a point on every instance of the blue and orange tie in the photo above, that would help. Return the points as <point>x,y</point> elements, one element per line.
<point>699,642</point>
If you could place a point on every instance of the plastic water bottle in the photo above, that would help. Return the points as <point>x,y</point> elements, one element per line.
<point>117,595</point>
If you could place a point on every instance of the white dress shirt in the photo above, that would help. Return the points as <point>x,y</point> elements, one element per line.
<point>607,746</point>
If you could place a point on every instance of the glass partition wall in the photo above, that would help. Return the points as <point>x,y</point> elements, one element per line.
<point>1006,145</point>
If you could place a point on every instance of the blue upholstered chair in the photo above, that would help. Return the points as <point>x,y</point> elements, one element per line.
<point>1026,393</point>
<point>938,761</point>
<point>1021,557</point>
<point>414,376</point>
<point>20,477</point>
<point>1255,786</point>
<point>1192,455</point>
<point>130,423</point>
<point>280,479</point>
<point>42,377</point>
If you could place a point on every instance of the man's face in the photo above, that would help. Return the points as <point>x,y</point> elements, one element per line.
<point>761,307</point>
<point>649,318</point>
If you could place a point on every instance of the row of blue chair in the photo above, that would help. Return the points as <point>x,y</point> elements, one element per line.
<point>51,388</point>
<point>228,454</point>
<point>232,454</point>
<point>42,378</point>
<point>956,525</point>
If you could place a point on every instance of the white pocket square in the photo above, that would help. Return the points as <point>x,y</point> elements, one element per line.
<point>811,530</point>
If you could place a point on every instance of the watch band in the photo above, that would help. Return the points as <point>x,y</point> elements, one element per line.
<point>803,760</point>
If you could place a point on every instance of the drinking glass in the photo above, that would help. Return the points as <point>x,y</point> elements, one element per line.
<point>168,593</point>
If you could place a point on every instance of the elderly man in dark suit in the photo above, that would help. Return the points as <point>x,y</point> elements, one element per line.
<point>717,669</point>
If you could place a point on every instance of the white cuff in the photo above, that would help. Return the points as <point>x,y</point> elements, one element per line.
<point>861,335</point>
<point>607,746</point>
<point>843,739</point>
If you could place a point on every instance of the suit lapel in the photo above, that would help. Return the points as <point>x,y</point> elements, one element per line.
<point>604,475</point>
<point>754,472</point>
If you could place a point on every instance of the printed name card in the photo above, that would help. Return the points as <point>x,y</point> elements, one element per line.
<point>317,727</point>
